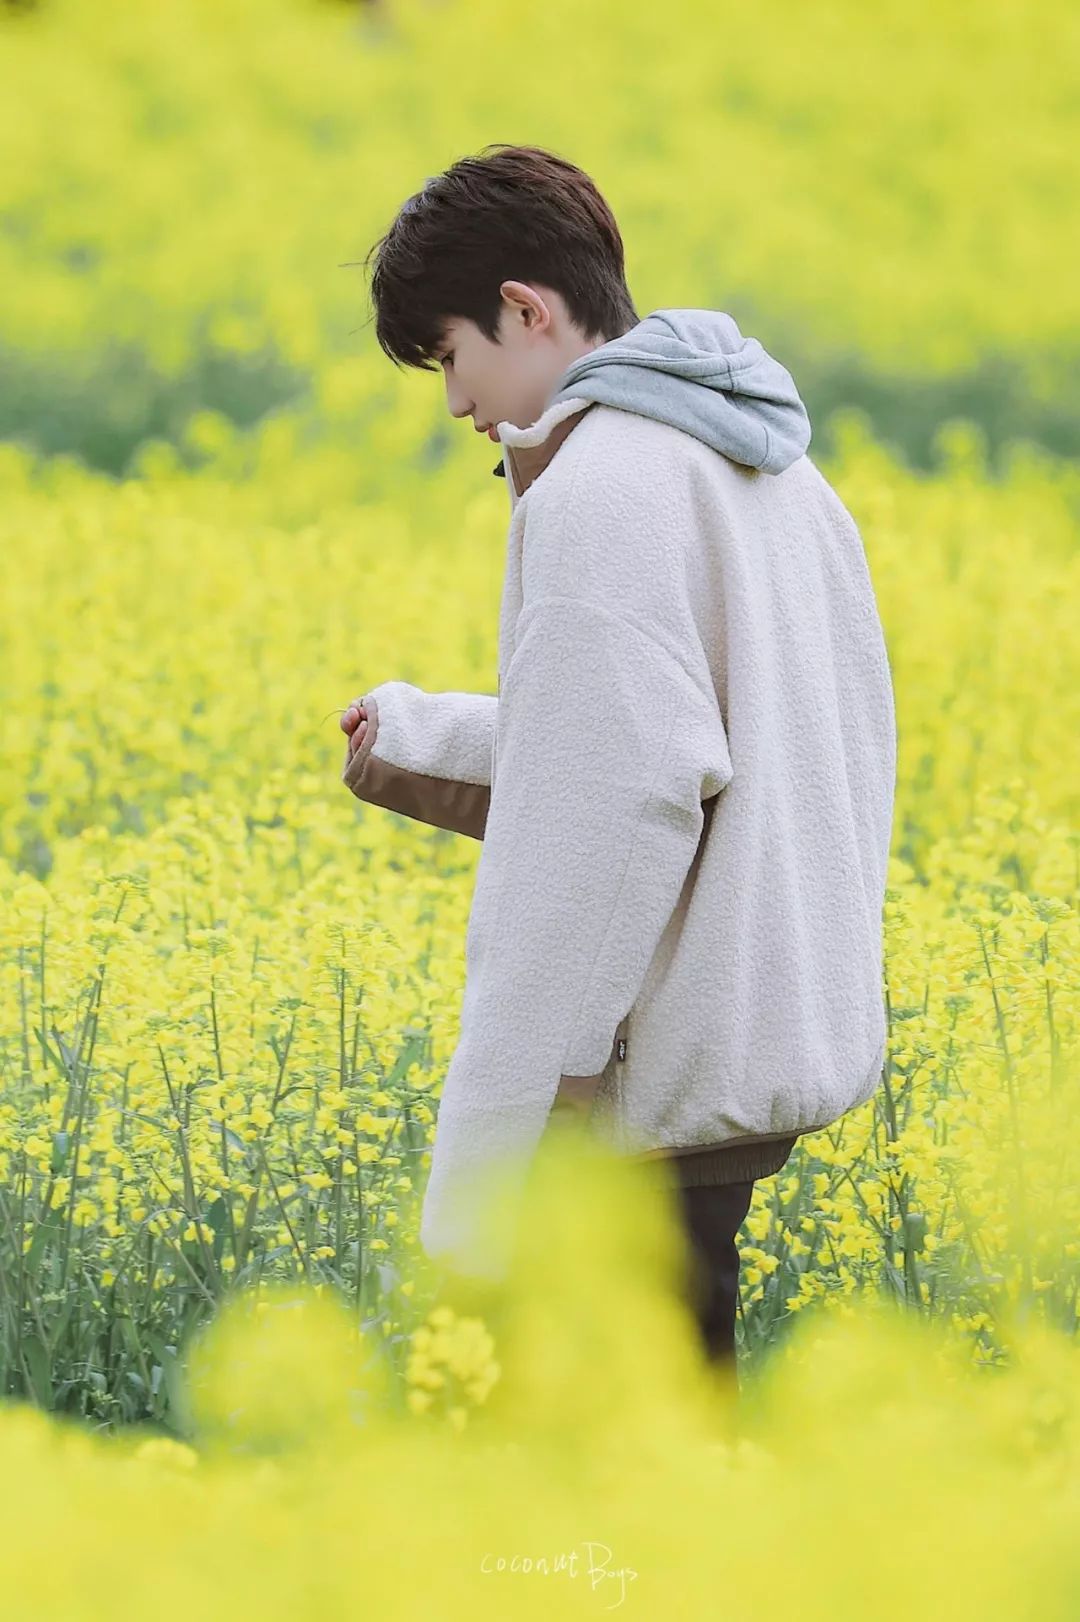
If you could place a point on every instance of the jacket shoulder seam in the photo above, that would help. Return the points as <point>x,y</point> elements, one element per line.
<point>624,617</point>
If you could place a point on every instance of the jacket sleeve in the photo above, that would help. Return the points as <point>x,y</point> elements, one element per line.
<point>605,749</point>
<point>426,755</point>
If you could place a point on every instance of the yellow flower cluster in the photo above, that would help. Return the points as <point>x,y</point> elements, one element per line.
<point>614,1472</point>
<point>451,1358</point>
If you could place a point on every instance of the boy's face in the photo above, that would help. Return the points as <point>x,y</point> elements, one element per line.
<point>512,380</point>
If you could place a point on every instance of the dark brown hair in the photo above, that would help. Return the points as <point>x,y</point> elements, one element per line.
<point>514,212</point>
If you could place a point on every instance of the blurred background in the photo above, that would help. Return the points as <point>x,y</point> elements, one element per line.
<point>885,195</point>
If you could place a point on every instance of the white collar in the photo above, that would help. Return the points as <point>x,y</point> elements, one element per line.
<point>527,451</point>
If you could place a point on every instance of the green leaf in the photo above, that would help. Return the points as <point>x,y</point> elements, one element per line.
<point>915,1230</point>
<point>45,1230</point>
<point>40,1372</point>
<point>217,1216</point>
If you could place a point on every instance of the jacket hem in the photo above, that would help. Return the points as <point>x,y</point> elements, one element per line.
<point>742,1142</point>
<point>732,1163</point>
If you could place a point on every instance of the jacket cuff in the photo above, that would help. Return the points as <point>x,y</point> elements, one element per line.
<point>377,772</point>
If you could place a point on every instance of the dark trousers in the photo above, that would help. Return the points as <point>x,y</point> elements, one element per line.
<point>711,1217</point>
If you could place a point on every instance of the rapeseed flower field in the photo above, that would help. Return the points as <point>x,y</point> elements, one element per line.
<point>228,991</point>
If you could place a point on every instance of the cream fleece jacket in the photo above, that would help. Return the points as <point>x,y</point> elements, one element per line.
<point>687,781</point>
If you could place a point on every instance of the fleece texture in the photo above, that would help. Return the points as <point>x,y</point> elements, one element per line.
<point>692,773</point>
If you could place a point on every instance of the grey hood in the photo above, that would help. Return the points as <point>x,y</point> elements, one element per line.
<point>695,370</point>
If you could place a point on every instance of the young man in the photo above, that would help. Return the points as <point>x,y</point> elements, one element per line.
<point>684,785</point>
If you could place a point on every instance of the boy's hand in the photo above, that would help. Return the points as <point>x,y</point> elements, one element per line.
<point>355,722</point>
